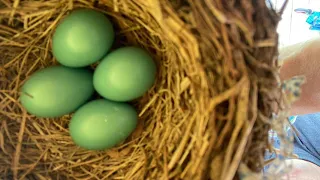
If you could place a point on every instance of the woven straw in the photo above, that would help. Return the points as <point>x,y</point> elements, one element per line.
<point>209,110</point>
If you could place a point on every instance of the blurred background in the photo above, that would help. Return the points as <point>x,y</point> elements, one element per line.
<point>293,27</point>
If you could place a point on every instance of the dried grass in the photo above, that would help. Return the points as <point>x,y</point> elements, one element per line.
<point>216,90</point>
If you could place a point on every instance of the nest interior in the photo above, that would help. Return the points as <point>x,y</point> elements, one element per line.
<point>209,109</point>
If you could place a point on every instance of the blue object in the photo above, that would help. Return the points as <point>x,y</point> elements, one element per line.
<point>313,18</point>
<point>292,119</point>
<point>303,11</point>
<point>315,28</point>
<point>307,140</point>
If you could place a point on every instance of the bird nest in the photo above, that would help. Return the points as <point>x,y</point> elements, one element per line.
<point>208,112</point>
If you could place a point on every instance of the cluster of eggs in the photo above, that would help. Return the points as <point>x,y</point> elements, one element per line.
<point>85,37</point>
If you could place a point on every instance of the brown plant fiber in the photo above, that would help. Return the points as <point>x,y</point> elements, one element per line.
<point>216,90</point>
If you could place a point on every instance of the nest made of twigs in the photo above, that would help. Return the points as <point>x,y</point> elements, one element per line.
<point>209,109</point>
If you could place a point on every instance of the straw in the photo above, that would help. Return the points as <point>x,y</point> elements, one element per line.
<point>216,89</point>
